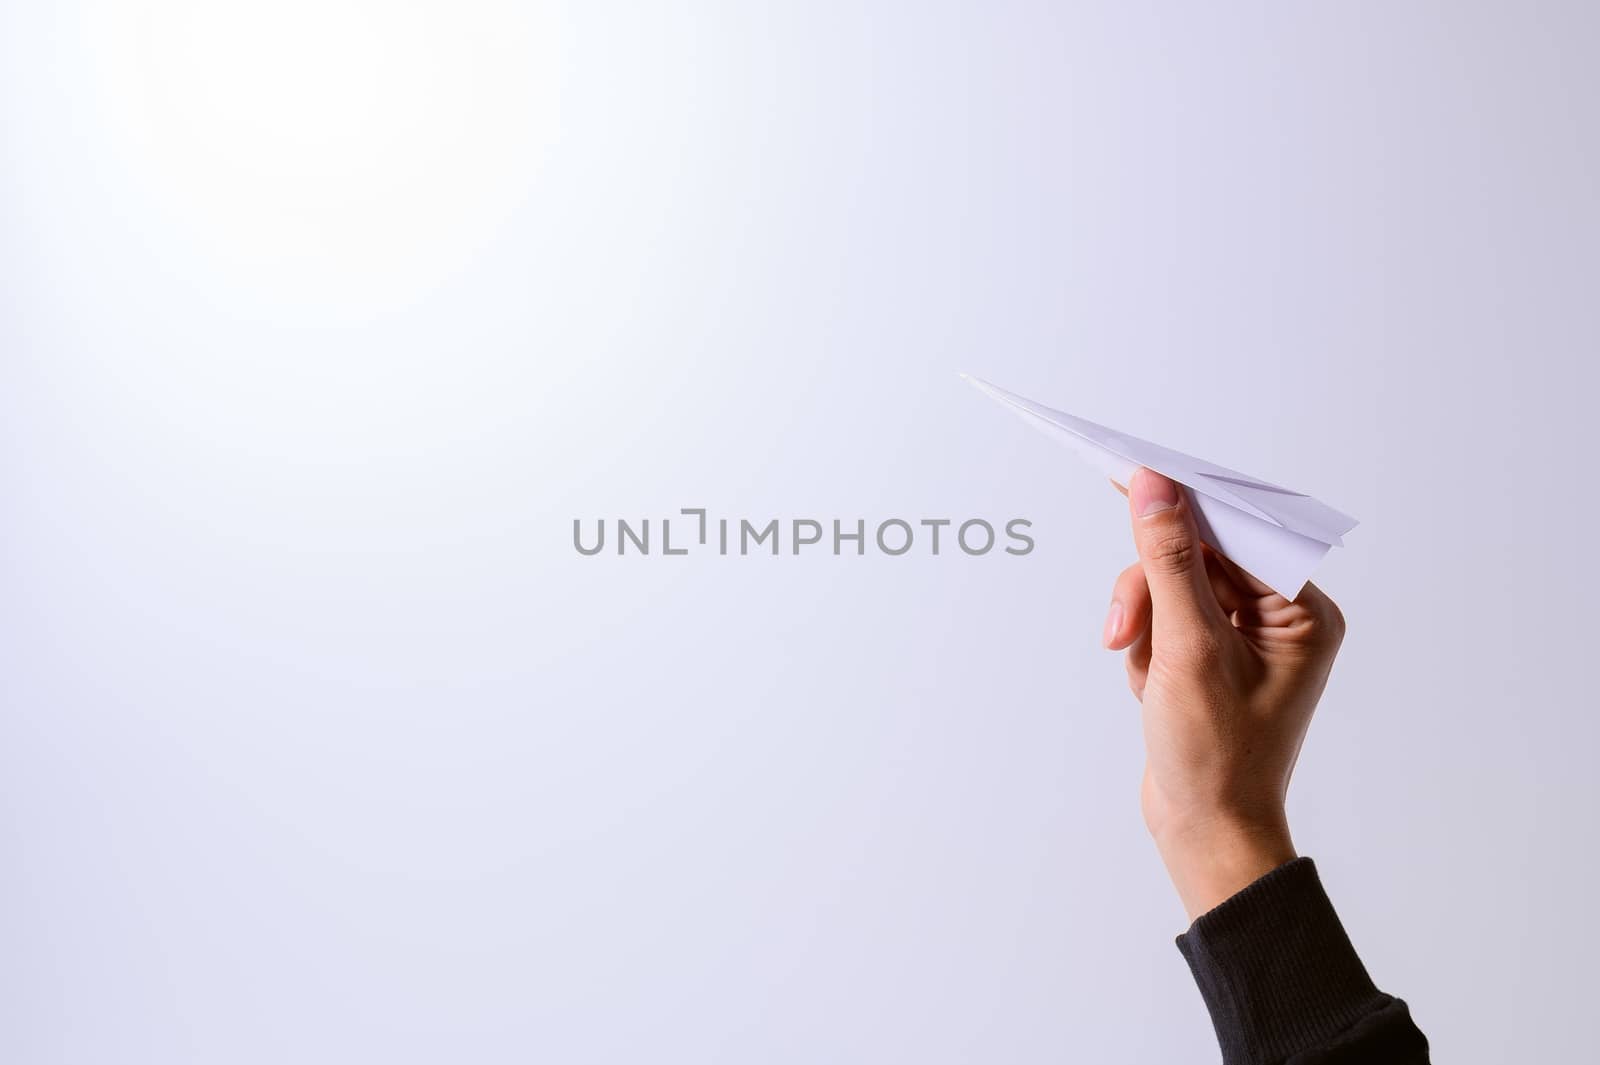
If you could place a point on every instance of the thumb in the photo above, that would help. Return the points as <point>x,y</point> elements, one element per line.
<point>1168,540</point>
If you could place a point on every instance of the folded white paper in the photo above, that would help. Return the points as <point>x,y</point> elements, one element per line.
<point>1275,534</point>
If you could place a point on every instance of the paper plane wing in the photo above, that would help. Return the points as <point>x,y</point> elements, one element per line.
<point>1277,534</point>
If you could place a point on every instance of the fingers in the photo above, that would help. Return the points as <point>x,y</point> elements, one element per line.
<point>1316,600</point>
<point>1228,594</point>
<point>1258,606</point>
<point>1128,618</point>
<point>1128,625</point>
<point>1129,613</point>
<point>1247,584</point>
<point>1322,614</point>
<point>1170,554</point>
<point>1233,586</point>
<point>1137,661</point>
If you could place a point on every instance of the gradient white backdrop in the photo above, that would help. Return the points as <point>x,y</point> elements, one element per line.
<point>321,322</point>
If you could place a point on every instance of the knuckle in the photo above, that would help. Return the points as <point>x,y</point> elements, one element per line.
<point>1327,623</point>
<point>1323,617</point>
<point>1335,623</point>
<point>1172,551</point>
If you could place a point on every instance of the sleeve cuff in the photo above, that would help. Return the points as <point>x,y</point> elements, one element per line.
<point>1276,970</point>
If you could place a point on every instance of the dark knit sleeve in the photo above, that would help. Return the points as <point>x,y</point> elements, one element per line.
<point>1284,985</point>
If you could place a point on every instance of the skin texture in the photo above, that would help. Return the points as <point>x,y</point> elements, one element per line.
<point>1228,673</point>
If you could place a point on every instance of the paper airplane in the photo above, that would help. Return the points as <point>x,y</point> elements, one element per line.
<point>1277,535</point>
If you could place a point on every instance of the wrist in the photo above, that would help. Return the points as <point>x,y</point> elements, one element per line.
<point>1211,858</point>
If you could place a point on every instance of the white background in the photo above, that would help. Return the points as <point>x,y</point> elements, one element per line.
<point>321,322</point>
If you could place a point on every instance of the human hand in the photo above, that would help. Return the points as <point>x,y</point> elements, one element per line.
<point>1228,673</point>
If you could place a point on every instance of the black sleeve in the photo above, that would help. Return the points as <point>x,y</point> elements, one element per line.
<point>1284,985</point>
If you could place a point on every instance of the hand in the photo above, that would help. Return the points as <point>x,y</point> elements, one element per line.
<point>1228,673</point>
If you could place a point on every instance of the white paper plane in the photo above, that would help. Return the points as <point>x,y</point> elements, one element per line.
<point>1277,535</point>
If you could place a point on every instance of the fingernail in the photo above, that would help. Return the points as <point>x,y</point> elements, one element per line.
<point>1152,493</point>
<point>1113,624</point>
